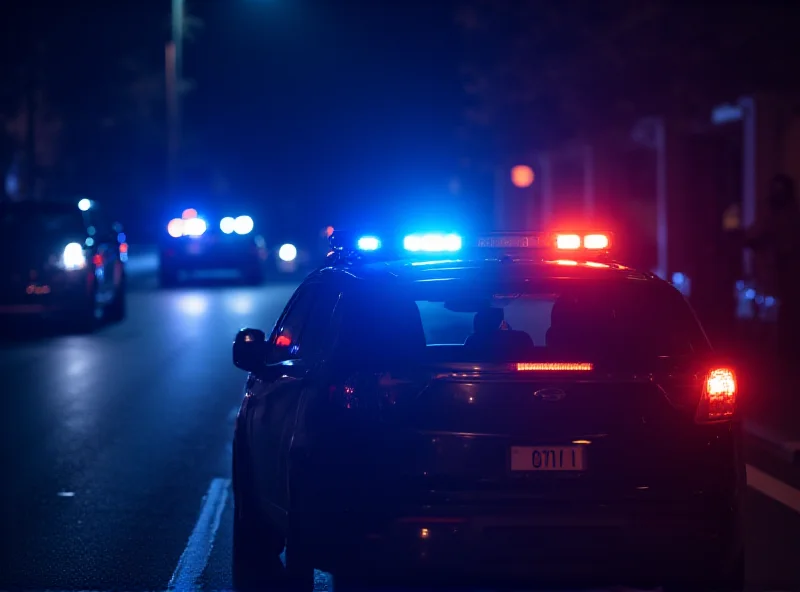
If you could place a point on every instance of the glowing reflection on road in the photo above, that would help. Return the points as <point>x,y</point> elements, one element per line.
<point>195,305</point>
<point>240,303</point>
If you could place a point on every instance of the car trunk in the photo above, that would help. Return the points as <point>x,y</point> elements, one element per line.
<point>492,434</point>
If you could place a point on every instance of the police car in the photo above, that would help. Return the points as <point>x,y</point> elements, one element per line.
<point>511,407</point>
<point>196,242</point>
<point>63,262</point>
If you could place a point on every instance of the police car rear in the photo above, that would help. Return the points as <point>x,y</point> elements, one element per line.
<point>195,243</point>
<point>517,407</point>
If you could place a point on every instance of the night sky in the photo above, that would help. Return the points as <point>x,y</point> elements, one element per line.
<point>329,102</point>
<point>323,107</point>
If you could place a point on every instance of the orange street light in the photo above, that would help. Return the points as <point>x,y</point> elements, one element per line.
<point>522,176</point>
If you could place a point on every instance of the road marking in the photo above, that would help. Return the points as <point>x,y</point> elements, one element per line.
<point>194,558</point>
<point>773,488</point>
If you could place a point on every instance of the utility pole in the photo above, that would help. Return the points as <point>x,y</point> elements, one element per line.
<point>174,78</point>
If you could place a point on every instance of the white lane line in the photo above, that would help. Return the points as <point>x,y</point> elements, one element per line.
<point>195,556</point>
<point>773,488</point>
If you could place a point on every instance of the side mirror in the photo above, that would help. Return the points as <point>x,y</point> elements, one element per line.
<point>250,349</point>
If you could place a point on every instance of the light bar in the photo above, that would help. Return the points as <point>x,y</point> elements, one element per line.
<point>186,227</point>
<point>559,241</point>
<point>554,367</point>
<point>432,243</point>
<point>596,241</point>
<point>368,243</point>
<point>568,242</point>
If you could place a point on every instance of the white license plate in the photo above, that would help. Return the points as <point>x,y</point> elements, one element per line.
<point>548,458</point>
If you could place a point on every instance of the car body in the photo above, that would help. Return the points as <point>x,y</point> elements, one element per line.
<point>61,263</point>
<point>598,446</point>
<point>193,243</point>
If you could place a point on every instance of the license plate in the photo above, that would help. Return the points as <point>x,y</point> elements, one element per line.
<point>194,248</point>
<point>548,458</point>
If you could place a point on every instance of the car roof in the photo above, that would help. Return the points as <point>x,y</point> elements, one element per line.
<point>414,271</point>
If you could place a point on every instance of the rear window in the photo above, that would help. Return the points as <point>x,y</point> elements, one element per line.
<point>565,319</point>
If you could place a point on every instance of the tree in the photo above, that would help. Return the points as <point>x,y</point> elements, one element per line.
<point>537,72</point>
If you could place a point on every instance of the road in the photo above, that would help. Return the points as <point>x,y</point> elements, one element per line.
<point>116,449</point>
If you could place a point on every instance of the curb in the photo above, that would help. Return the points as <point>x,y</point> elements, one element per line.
<point>774,442</point>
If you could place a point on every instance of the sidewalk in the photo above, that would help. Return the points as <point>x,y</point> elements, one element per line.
<point>770,404</point>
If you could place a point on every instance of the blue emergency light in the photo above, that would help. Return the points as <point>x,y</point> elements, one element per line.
<point>368,243</point>
<point>433,242</point>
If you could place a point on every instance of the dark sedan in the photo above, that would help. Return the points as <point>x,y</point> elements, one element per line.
<point>60,264</point>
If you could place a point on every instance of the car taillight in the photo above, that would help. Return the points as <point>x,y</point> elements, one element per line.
<point>718,399</point>
<point>554,367</point>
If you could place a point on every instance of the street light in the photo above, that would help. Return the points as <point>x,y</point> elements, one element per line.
<point>522,176</point>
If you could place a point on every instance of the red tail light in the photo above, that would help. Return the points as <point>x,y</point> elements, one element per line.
<point>718,400</point>
<point>554,367</point>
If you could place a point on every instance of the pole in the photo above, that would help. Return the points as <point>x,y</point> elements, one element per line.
<point>172,116</point>
<point>662,234</point>
<point>174,73</point>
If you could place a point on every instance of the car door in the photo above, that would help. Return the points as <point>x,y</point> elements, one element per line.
<point>275,397</point>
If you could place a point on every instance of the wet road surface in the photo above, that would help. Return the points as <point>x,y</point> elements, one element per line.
<point>116,452</point>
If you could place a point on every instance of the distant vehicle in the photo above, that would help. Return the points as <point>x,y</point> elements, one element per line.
<point>194,243</point>
<point>511,406</point>
<point>63,262</point>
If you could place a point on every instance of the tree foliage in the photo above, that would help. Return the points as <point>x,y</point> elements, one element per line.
<point>539,71</point>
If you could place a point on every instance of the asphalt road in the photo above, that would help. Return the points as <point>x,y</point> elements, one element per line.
<point>116,452</point>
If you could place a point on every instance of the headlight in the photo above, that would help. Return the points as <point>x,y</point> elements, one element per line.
<point>175,228</point>
<point>287,252</point>
<point>227,225</point>
<point>243,225</point>
<point>73,257</point>
<point>194,227</point>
